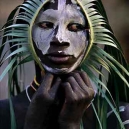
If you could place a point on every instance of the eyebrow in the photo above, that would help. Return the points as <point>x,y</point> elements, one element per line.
<point>53,16</point>
<point>45,16</point>
<point>48,16</point>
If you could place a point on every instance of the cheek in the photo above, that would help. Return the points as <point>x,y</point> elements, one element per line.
<point>78,42</point>
<point>42,38</point>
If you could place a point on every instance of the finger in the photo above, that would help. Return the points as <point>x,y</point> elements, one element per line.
<point>85,79</point>
<point>47,81</point>
<point>73,83</point>
<point>80,81</point>
<point>78,91</point>
<point>68,91</point>
<point>55,87</point>
<point>85,90</point>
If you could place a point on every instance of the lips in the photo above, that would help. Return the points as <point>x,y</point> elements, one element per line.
<point>58,57</point>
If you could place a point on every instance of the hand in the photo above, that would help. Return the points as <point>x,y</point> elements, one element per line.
<point>43,103</point>
<point>78,96</point>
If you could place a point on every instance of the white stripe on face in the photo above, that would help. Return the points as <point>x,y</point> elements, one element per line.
<point>62,21</point>
<point>43,37</point>
<point>61,4</point>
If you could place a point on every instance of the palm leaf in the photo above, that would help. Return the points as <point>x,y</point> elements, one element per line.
<point>101,34</point>
<point>95,61</point>
<point>98,83</point>
<point>100,125</point>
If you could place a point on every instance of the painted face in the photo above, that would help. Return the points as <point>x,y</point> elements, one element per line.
<point>60,37</point>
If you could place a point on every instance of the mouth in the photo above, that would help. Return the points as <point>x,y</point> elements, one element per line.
<point>59,58</point>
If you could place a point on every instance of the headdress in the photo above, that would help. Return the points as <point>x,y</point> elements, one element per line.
<point>103,53</point>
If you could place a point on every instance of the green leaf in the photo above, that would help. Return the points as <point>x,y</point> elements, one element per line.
<point>24,18</point>
<point>27,10</point>
<point>96,17</point>
<point>2,60</point>
<point>84,2</point>
<point>8,68</point>
<point>24,35</point>
<point>22,49</point>
<point>105,43</point>
<point>25,14</point>
<point>15,31</point>
<point>97,21</point>
<point>102,31</point>
<point>97,58</point>
<point>32,3</point>
<point>37,2</point>
<point>31,8</point>
<point>97,81</point>
<point>97,116</point>
<point>19,40</point>
<point>112,59</point>
<point>16,26</point>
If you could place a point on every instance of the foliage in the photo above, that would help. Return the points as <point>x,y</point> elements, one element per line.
<point>103,55</point>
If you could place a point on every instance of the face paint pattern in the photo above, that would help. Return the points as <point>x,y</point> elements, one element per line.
<point>61,18</point>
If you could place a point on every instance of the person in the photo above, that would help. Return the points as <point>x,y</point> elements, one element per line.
<point>61,95</point>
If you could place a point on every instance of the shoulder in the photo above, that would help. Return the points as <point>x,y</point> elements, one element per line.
<point>4,107</point>
<point>18,101</point>
<point>124,113</point>
<point>4,103</point>
<point>20,106</point>
<point>4,114</point>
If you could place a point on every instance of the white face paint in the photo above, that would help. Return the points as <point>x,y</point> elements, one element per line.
<point>66,24</point>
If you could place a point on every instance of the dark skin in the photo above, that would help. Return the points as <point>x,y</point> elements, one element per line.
<point>78,94</point>
<point>55,113</point>
<point>61,102</point>
<point>64,98</point>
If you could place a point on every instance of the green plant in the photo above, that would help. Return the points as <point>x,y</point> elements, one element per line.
<point>103,54</point>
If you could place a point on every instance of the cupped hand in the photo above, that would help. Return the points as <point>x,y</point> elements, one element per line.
<point>43,103</point>
<point>78,96</point>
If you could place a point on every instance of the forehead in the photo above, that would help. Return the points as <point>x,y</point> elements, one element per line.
<point>54,4</point>
<point>61,10</point>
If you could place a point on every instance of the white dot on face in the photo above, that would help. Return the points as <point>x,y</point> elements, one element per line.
<point>59,51</point>
<point>73,1</point>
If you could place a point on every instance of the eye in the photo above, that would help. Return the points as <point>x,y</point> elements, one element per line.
<point>75,27</point>
<point>46,25</point>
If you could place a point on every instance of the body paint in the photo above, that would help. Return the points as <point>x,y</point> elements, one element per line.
<point>61,18</point>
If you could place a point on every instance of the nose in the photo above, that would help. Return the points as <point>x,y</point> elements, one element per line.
<point>56,42</point>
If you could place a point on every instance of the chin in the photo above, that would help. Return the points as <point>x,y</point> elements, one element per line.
<point>57,70</point>
<point>64,70</point>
